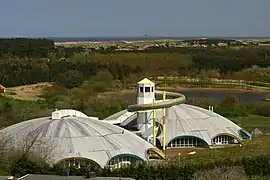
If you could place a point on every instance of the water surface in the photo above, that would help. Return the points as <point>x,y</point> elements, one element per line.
<point>219,95</point>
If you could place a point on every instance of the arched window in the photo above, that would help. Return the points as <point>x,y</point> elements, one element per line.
<point>223,139</point>
<point>187,141</point>
<point>78,163</point>
<point>123,160</point>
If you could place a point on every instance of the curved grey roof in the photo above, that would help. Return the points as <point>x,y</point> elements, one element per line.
<point>189,120</point>
<point>122,117</point>
<point>81,136</point>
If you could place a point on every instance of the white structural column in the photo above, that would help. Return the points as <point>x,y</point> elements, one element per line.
<point>164,123</point>
<point>146,95</point>
<point>154,126</point>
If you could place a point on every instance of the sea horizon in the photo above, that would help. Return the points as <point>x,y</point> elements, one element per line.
<point>135,38</point>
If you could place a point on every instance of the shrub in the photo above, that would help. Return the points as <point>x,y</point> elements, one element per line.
<point>230,102</point>
<point>70,79</point>
<point>203,102</point>
<point>262,109</point>
<point>231,112</point>
<point>29,165</point>
<point>221,173</point>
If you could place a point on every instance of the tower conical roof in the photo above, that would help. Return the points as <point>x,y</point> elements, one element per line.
<point>146,81</point>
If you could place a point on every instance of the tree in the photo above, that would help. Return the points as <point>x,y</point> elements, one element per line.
<point>230,102</point>
<point>70,79</point>
<point>30,154</point>
<point>29,165</point>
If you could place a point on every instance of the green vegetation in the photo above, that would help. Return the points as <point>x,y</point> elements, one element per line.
<point>207,81</point>
<point>79,77</point>
<point>23,47</point>
<point>251,148</point>
<point>254,121</point>
<point>18,66</point>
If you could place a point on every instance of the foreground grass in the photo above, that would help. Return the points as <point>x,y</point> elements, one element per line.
<point>254,121</point>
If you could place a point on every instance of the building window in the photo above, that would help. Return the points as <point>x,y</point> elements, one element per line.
<point>141,89</point>
<point>187,142</point>
<point>224,139</point>
<point>123,161</point>
<point>147,89</point>
<point>78,163</point>
<point>152,89</point>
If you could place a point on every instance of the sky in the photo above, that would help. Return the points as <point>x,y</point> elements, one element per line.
<point>168,18</point>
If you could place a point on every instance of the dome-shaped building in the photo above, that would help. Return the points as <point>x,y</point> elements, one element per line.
<point>185,125</point>
<point>76,139</point>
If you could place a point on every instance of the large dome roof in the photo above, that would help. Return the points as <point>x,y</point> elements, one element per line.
<point>76,135</point>
<point>186,120</point>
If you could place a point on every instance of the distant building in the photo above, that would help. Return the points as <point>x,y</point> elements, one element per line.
<point>2,89</point>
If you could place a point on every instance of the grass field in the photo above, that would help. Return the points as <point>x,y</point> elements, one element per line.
<point>27,92</point>
<point>254,121</point>
<point>254,147</point>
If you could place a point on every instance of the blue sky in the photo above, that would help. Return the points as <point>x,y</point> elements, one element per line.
<point>89,18</point>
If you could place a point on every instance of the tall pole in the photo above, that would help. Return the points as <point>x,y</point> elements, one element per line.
<point>164,122</point>
<point>164,116</point>
<point>154,125</point>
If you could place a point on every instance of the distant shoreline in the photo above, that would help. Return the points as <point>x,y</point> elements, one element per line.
<point>136,38</point>
<point>144,38</point>
<point>195,88</point>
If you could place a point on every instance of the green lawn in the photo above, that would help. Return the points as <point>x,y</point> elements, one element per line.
<point>254,147</point>
<point>254,121</point>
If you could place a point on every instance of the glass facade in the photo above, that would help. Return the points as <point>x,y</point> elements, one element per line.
<point>123,161</point>
<point>187,141</point>
<point>78,163</point>
<point>224,139</point>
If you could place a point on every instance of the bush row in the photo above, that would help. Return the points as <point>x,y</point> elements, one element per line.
<point>252,166</point>
<point>259,166</point>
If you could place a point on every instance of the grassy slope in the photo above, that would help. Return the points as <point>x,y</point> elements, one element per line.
<point>253,147</point>
<point>27,92</point>
<point>254,121</point>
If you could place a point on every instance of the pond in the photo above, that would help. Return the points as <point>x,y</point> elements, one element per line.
<point>218,95</point>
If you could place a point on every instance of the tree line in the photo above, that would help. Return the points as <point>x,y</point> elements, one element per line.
<point>24,47</point>
<point>27,61</point>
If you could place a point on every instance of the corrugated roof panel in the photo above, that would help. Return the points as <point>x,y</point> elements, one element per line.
<point>81,137</point>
